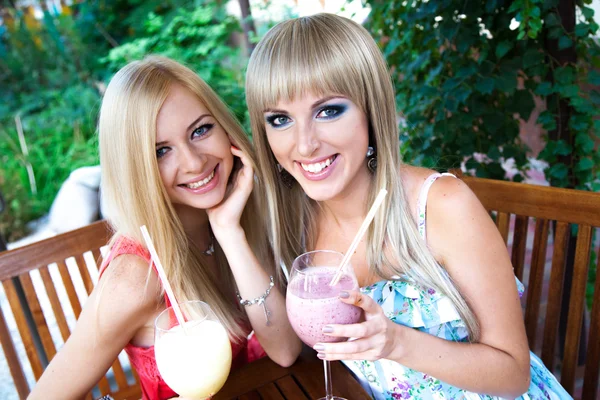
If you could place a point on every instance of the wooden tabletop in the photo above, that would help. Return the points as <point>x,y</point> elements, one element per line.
<point>265,380</point>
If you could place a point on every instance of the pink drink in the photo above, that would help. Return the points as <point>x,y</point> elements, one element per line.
<point>311,304</point>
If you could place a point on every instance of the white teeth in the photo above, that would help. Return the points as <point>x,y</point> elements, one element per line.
<point>317,167</point>
<point>201,183</point>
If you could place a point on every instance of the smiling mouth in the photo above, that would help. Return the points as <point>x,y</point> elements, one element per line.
<point>203,182</point>
<point>315,168</point>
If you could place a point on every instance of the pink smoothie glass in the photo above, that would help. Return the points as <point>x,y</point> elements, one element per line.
<point>312,303</point>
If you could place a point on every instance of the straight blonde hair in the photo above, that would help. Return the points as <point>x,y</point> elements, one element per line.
<point>134,193</point>
<point>327,54</point>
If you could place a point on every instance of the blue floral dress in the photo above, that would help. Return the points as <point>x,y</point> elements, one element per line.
<point>406,303</point>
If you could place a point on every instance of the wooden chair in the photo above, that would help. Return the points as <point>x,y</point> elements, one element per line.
<point>555,212</point>
<point>17,268</point>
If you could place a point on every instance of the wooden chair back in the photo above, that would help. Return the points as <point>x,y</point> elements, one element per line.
<point>553,214</point>
<point>52,269</point>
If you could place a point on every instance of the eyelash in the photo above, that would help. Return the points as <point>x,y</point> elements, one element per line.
<point>338,108</point>
<point>162,151</point>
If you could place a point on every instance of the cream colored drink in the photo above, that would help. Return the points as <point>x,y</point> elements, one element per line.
<point>195,363</point>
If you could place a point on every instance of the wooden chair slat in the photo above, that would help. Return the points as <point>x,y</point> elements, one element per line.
<point>592,364</point>
<point>23,259</point>
<point>85,273</point>
<point>566,205</point>
<point>26,338</point>
<point>503,222</point>
<point>38,316</point>
<point>14,365</point>
<point>576,307</point>
<point>57,310</point>
<point>104,386</point>
<point>519,245</point>
<point>270,391</point>
<point>69,287</point>
<point>119,374</point>
<point>557,276</point>
<point>97,258</point>
<point>536,279</point>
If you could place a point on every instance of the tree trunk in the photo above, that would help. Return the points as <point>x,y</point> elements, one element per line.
<point>247,24</point>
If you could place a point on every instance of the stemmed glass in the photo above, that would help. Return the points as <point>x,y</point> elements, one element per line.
<point>312,303</point>
<point>193,359</point>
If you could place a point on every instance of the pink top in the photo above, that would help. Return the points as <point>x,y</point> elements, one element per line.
<point>142,358</point>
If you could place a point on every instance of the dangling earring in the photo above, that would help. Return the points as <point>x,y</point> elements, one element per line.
<point>371,159</point>
<point>285,177</point>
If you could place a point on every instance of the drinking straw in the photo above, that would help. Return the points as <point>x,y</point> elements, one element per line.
<point>163,276</point>
<point>359,235</point>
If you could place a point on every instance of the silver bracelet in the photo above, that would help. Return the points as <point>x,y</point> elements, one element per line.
<point>260,300</point>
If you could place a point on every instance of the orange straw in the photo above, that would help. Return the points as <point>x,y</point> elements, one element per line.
<point>359,235</point>
<point>163,277</point>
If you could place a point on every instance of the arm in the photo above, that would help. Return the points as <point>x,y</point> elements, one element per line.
<point>464,239</point>
<point>278,339</point>
<point>117,308</point>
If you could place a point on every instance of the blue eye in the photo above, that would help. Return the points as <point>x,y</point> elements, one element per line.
<point>202,130</point>
<point>331,111</point>
<point>278,120</point>
<point>160,152</point>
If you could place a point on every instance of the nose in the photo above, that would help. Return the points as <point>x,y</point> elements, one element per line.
<point>307,139</point>
<point>191,160</point>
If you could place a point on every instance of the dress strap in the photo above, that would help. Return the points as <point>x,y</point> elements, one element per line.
<point>422,201</point>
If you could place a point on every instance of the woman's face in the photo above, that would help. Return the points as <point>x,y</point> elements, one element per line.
<point>193,151</point>
<point>322,141</point>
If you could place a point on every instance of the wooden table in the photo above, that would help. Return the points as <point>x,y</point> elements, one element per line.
<point>263,379</point>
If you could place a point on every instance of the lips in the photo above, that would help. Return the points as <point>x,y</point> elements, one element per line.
<point>202,184</point>
<point>318,170</point>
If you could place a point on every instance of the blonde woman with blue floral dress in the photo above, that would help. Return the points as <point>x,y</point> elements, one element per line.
<point>442,314</point>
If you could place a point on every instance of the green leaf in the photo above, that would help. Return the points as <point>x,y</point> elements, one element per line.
<point>593,77</point>
<point>582,29</point>
<point>562,148</point>
<point>555,32</point>
<point>485,85</point>
<point>532,57</point>
<point>544,89</point>
<point>568,90</point>
<point>503,48</point>
<point>558,171</point>
<point>585,142</point>
<point>564,75</point>
<point>547,120</point>
<point>584,164</point>
<point>551,20</point>
<point>521,35</point>
<point>564,42</point>
<point>587,12</point>
<point>466,72</point>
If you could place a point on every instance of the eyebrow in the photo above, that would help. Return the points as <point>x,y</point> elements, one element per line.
<point>313,106</point>
<point>193,124</point>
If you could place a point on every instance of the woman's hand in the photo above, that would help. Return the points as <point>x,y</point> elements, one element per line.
<point>226,215</point>
<point>375,338</point>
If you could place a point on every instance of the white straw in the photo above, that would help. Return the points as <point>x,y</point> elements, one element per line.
<point>359,235</point>
<point>163,276</point>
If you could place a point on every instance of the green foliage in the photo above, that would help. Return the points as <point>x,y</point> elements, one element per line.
<point>463,77</point>
<point>199,38</point>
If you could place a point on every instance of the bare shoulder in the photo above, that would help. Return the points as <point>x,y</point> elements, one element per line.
<point>130,282</point>
<point>412,181</point>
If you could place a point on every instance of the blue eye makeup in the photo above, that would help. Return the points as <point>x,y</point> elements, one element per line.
<point>161,151</point>
<point>331,111</point>
<point>202,130</point>
<point>277,120</point>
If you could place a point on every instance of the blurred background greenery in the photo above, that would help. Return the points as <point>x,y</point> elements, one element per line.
<point>489,85</point>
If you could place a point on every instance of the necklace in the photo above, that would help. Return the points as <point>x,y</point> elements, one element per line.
<point>210,250</point>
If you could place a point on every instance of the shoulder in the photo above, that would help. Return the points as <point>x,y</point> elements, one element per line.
<point>130,283</point>
<point>413,179</point>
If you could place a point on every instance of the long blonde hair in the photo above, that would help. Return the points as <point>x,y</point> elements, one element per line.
<point>134,193</point>
<point>324,54</point>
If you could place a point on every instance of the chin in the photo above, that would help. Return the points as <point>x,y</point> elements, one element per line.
<point>323,193</point>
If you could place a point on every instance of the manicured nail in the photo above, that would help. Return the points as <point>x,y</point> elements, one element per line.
<point>319,347</point>
<point>327,329</point>
<point>344,295</point>
<point>321,356</point>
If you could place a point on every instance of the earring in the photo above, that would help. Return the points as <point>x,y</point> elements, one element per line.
<point>371,159</point>
<point>285,177</point>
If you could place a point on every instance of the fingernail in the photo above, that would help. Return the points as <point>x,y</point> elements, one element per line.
<point>344,295</point>
<point>319,347</point>
<point>321,356</point>
<point>327,329</point>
